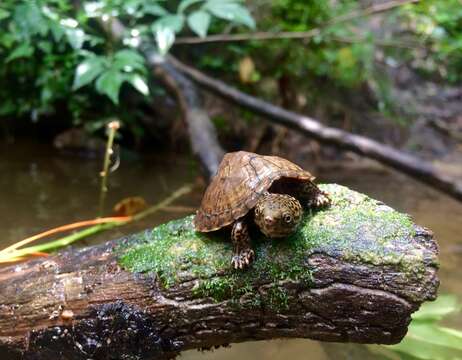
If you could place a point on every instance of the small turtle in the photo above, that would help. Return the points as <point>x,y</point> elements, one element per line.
<point>269,189</point>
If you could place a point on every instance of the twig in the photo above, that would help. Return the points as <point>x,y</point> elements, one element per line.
<point>18,254</point>
<point>263,35</point>
<point>112,127</point>
<point>381,42</point>
<point>63,228</point>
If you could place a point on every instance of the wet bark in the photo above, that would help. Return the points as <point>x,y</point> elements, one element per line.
<point>419,169</point>
<point>81,304</point>
<point>204,140</point>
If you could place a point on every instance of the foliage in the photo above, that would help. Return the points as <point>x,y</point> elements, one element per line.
<point>347,55</point>
<point>55,54</point>
<point>439,25</point>
<point>426,339</point>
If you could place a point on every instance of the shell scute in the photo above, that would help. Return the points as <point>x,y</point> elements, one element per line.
<point>241,179</point>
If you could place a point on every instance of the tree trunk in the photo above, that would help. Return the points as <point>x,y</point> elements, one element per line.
<point>351,273</point>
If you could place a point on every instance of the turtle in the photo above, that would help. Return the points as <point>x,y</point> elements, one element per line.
<point>269,190</point>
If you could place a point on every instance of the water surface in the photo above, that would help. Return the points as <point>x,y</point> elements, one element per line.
<point>41,189</point>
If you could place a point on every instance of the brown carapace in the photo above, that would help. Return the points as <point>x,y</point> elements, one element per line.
<point>244,180</point>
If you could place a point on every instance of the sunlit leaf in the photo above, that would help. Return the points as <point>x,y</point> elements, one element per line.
<point>93,8</point>
<point>108,83</point>
<point>174,22</point>
<point>22,51</point>
<point>4,14</point>
<point>184,4</point>
<point>425,350</point>
<point>75,37</point>
<point>231,11</point>
<point>139,84</point>
<point>436,310</point>
<point>199,22</point>
<point>128,58</point>
<point>87,71</point>
<point>154,9</point>
<point>165,37</point>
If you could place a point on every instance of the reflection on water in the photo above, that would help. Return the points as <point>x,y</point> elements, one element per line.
<point>40,190</point>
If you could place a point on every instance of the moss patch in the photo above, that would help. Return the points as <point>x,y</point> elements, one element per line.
<point>355,228</point>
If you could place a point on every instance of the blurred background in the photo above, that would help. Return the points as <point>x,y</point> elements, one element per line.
<point>390,71</point>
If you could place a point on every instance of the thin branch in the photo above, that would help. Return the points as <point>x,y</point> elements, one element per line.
<point>382,43</point>
<point>263,35</point>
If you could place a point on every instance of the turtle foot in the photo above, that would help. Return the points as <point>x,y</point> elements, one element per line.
<point>243,259</point>
<point>320,200</point>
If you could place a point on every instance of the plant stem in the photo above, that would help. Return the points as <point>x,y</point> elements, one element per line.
<point>94,229</point>
<point>112,127</point>
<point>262,35</point>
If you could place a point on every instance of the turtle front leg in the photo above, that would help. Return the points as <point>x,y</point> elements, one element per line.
<point>313,197</point>
<point>243,253</point>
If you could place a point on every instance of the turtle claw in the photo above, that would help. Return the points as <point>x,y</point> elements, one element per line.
<point>320,200</point>
<point>243,259</point>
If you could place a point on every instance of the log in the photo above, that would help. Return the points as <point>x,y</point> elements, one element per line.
<point>202,132</point>
<point>408,164</point>
<point>351,273</point>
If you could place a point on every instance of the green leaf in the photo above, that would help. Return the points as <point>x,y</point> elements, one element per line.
<point>139,84</point>
<point>423,349</point>
<point>231,11</point>
<point>4,14</point>
<point>173,22</point>
<point>22,51</point>
<point>45,46</point>
<point>184,4</point>
<point>199,22</point>
<point>165,37</point>
<point>154,9</point>
<point>75,37</point>
<point>87,71</point>
<point>437,335</point>
<point>109,84</point>
<point>57,31</point>
<point>30,20</point>
<point>438,309</point>
<point>127,58</point>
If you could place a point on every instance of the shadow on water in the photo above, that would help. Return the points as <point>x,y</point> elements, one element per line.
<point>41,190</point>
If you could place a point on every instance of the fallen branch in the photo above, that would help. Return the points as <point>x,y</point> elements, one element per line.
<point>204,140</point>
<point>202,133</point>
<point>417,168</point>
<point>352,273</point>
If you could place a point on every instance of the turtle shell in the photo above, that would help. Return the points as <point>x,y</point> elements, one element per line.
<point>241,179</point>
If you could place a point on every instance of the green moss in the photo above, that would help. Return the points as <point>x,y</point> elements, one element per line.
<point>355,228</point>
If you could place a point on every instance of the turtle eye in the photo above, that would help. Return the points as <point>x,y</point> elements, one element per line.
<point>287,218</point>
<point>257,211</point>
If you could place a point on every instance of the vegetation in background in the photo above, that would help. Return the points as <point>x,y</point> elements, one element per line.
<point>427,339</point>
<point>56,57</point>
<point>58,61</point>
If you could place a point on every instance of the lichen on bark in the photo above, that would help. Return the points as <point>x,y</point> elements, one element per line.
<point>354,229</point>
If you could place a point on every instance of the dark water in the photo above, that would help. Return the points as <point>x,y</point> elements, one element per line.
<point>40,189</point>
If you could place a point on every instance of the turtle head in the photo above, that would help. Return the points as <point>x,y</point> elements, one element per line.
<point>277,215</point>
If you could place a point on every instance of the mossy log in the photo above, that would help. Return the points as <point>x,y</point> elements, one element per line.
<point>352,273</point>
